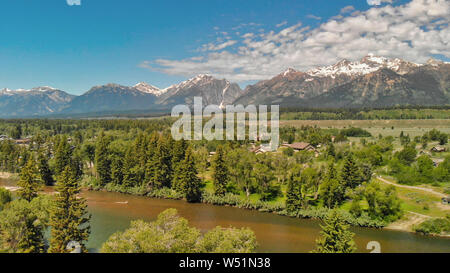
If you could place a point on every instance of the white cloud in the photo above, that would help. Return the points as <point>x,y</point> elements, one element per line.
<point>281,24</point>
<point>74,2</point>
<point>414,31</point>
<point>216,47</point>
<point>377,2</point>
<point>312,16</point>
<point>347,9</point>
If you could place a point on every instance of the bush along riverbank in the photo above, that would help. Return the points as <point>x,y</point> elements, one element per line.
<point>280,209</point>
<point>238,201</point>
<point>434,227</point>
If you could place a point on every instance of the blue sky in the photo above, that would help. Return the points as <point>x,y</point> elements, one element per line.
<point>74,47</point>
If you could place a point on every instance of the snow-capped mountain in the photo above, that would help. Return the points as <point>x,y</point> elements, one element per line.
<point>6,91</point>
<point>32,102</point>
<point>111,98</point>
<point>366,65</point>
<point>369,82</point>
<point>212,90</point>
<point>150,89</point>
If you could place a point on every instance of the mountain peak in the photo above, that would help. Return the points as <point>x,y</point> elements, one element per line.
<point>35,89</point>
<point>343,67</point>
<point>148,88</point>
<point>202,77</point>
<point>213,91</point>
<point>434,62</point>
<point>109,85</point>
<point>366,65</point>
<point>42,89</point>
<point>289,71</point>
<point>373,59</point>
<point>343,62</point>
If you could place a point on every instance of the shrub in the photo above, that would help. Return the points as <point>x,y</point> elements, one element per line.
<point>5,197</point>
<point>434,226</point>
<point>355,132</point>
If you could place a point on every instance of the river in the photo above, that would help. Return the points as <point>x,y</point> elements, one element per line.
<point>112,212</point>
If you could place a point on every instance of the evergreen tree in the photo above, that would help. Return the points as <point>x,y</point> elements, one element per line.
<point>335,236</point>
<point>350,173</point>
<point>299,184</point>
<point>331,150</point>
<point>29,181</point>
<point>220,172</point>
<point>332,190</point>
<point>292,195</point>
<point>130,174</point>
<point>331,172</point>
<point>178,152</point>
<point>202,162</point>
<point>116,169</point>
<point>152,145</point>
<point>88,152</point>
<point>44,170</point>
<point>69,217</point>
<point>76,164</point>
<point>16,132</point>
<point>102,163</point>
<point>140,154</point>
<point>159,172</point>
<point>25,155</point>
<point>63,154</point>
<point>186,179</point>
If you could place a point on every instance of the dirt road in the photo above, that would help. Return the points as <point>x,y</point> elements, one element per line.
<point>440,194</point>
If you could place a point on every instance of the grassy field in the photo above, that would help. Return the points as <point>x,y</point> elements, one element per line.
<point>419,201</point>
<point>414,128</point>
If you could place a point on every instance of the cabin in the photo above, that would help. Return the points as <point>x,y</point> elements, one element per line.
<point>438,149</point>
<point>446,200</point>
<point>262,149</point>
<point>300,146</point>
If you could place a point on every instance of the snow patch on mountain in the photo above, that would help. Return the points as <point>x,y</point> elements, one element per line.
<point>35,89</point>
<point>199,80</point>
<point>150,89</point>
<point>289,71</point>
<point>366,65</point>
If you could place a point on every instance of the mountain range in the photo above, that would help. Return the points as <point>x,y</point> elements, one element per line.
<point>370,82</point>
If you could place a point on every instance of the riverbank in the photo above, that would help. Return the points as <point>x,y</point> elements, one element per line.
<point>237,201</point>
<point>229,200</point>
<point>112,212</point>
<point>405,224</point>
